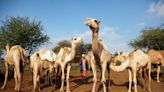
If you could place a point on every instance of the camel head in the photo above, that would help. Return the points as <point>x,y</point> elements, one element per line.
<point>117,60</point>
<point>92,23</point>
<point>7,47</point>
<point>76,40</point>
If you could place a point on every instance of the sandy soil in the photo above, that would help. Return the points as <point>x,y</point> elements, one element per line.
<point>119,83</point>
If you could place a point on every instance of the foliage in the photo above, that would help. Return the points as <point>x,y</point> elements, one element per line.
<point>22,31</point>
<point>150,38</point>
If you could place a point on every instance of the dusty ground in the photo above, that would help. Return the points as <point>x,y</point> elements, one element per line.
<point>119,83</point>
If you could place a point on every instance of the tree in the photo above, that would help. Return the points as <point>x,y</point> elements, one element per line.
<point>22,31</point>
<point>150,38</point>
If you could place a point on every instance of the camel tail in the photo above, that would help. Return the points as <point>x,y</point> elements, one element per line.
<point>22,59</point>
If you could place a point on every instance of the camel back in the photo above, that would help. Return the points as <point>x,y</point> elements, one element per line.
<point>19,52</point>
<point>155,56</point>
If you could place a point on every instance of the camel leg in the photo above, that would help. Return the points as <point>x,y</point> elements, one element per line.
<point>16,79</point>
<point>142,75</point>
<point>68,71</point>
<point>34,80</point>
<point>56,75</point>
<point>6,75</point>
<point>108,75</point>
<point>47,73</point>
<point>130,80</point>
<point>38,82</point>
<point>135,80</point>
<point>62,78</point>
<point>18,76</point>
<point>51,74</point>
<point>149,74</point>
<point>158,71</point>
<point>103,79</point>
<point>94,77</point>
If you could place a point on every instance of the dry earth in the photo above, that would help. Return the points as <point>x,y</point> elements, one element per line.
<point>119,83</point>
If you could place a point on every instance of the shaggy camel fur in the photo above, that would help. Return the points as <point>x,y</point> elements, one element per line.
<point>64,57</point>
<point>156,58</point>
<point>101,54</point>
<point>48,62</point>
<point>36,64</point>
<point>16,56</point>
<point>134,62</point>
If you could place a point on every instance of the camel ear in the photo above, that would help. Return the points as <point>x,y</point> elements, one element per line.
<point>98,21</point>
<point>88,18</point>
<point>118,52</point>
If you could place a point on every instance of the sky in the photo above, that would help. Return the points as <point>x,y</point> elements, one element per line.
<point>121,20</point>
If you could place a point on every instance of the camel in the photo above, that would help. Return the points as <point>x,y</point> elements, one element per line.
<point>16,56</point>
<point>156,58</point>
<point>47,62</point>
<point>90,59</point>
<point>65,57</point>
<point>134,61</point>
<point>36,64</point>
<point>101,54</point>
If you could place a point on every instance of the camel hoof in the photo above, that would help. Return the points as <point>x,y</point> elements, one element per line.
<point>158,81</point>
<point>61,90</point>
<point>68,91</point>
<point>2,87</point>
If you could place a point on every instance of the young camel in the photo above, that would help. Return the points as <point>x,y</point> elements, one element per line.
<point>36,65</point>
<point>16,56</point>
<point>156,58</point>
<point>48,61</point>
<point>134,62</point>
<point>101,54</point>
<point>65,57</point>
<point>90,59</point>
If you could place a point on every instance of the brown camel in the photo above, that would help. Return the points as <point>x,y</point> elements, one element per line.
<point>134,62</point>
<point>65,57</point>
<point>156,58</point>
<point>101,54</point>
<point>16,56</point>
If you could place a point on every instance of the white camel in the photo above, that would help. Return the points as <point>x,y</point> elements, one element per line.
<point>133,61</point>
<point>46,60</point>
<point>90,59</point>
<point>16,56</point>
<point>156,58</point>
<point>101,54</point>
<point>36,65</point>
<point>65,57</point>
<point>48,57</point>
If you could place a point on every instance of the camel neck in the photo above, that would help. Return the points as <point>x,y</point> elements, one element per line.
<point>73,50</point>
<point>121,67</point>
<point>95,41</point>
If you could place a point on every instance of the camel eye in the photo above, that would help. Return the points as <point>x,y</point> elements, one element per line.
<point>75,38</point>
<point>95,21</point>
